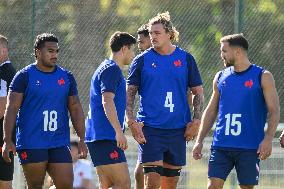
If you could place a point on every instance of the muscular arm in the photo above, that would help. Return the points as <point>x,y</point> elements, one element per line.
<point>13,104</point>
<point>210,113</point>
<point>110,110</point>
<point>135,127</point>
<point>272,103</point>
<point>77,116</point>
<point>111,113</point>
<point>3,101</point>
<point>131,91</point>
<point>197,101</point>
<point>207,120</point>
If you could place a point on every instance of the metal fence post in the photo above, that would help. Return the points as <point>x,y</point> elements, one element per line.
<point>238,20</point>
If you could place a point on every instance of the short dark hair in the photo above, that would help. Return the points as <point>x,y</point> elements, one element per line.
<point>42,38</point>
<point>120,39</point>
<point>143,30</point>
<point>237,40</point>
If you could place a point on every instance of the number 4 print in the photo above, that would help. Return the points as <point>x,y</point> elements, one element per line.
<point>169,101</point>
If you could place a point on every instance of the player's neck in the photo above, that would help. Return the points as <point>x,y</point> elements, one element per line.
<point>117,59</point>
<point>166,49</point>
<point>43,68</point>
<point>242,64</point>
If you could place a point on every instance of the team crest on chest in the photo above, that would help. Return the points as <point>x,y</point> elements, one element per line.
<point>249,83</point>
<point>61,82</point>
<point>177,63</point>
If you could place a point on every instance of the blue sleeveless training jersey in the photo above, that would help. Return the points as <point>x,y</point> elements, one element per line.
<point>107,78</point>
<point>42,120</point>
<point>242,109</point>
<point>163,81</point>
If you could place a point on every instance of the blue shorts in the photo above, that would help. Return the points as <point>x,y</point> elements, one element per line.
<point>246,163</point>
<point>105,152</point>
<point>52,155</point>
<point>168,145</point>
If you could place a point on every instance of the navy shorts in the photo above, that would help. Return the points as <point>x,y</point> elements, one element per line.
<point>168,145</point>
<point>52,155</point>
<point>105,152</point>
<point>246,163</point>
<point>7,169</point>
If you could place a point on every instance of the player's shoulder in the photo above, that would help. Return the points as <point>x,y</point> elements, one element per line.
<point>7,66</point>
<point>140,57</point>
<point>62,69</point>
<point>108,64</point>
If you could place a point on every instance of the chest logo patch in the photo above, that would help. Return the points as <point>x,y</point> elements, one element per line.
<point>249,83</point>
<point>177,63</point>
<point>61,82</point>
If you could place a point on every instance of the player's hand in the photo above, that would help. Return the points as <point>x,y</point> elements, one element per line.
<point>191,130</point>
<point>121,140</point>
<point>281,139</point>
<point>265,149</point>
<point>137,133</point>
<point>196,151</point>
<point>82,149</point>
<point>6,149</point>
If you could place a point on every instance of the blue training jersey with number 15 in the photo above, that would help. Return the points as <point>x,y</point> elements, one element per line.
<point>242,109</point>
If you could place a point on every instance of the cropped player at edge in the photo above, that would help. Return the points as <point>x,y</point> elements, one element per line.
<point>243,94</point>
<point>42,94</point>
<point>162,76</point>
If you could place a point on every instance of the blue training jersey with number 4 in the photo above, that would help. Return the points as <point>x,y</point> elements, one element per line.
<point>42,121</point>
<point>163,81</point>
<point>242,109</point>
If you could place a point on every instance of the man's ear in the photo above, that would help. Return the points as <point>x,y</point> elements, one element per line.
<point>37,52</point>
<point>124,48</point>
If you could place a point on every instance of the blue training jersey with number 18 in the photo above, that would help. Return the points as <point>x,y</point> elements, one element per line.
<point>163,82</point>
<point>42,121</point>
<point>242,109</point>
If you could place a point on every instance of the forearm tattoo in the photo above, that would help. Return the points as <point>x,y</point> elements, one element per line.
<point>198,102</point>
<point>130,98</point>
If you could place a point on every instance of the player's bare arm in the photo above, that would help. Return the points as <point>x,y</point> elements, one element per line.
<point>77,118</point>
<point>3,101</point>
<point>111,113</point>
<point>14,102</point>
<point>131,92</point>
<point>197,103</point>
<point>272,103</point>
<point>135,127</point>
<point>207,120</point>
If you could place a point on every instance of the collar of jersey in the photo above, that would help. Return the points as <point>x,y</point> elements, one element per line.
<point>6,62</point>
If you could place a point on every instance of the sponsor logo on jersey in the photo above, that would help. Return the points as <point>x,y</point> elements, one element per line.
<point>154,65</point>
<point>38,83</point>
